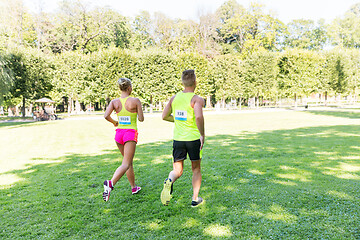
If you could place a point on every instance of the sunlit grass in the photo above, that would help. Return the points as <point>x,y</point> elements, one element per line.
<point>216,230</point>
<point>273,175</point>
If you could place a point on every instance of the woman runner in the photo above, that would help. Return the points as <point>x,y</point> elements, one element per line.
<point>128,110</point>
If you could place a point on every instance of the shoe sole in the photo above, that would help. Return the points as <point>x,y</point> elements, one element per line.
<point>106,193</point>
<point>165,193</point>
<point>106,196</point>
<point>136,191</point>
<point>194,206</point>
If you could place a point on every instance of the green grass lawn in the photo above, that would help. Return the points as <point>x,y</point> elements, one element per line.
<point>266,175</point>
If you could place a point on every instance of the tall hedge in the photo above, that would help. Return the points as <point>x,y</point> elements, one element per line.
<point>156,74</point>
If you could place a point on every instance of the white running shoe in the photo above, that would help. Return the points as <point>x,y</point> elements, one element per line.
<point>107,189</point>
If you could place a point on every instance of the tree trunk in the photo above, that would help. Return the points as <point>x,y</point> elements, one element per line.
<point>31,109</point>
<point>77,106</point>
<point>70,105</point>
<point>208,102</point>
<point>23,108</point>
<point>325,98</point>
<point>151,104</point>
<point>295,99</point>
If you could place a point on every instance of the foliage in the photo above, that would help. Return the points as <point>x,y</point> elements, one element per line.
<point>75,54</point>
<point>6,78</point>
<point>306,34</point>
<point>156,78</point>
<point>299,72</point>
<point>32,74</point>
<point>226,76</point>
<point>202,67</point>
<point>353,71</point>
<point>345,31</point>
<point>248,30</point>
<point>259,72</point>
<point>337,76</point>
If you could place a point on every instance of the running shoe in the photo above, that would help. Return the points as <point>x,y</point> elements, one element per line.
<point>107,189</point>
<point>166,192</point>
<point>197,203</point>
<point>135,190</point>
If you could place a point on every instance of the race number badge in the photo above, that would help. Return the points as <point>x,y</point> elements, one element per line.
<point>180,115</point>
<point>124,120</point>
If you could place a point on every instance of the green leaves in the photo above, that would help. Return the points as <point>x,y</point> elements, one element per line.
<point>345,31</point>
<point>6,78</point>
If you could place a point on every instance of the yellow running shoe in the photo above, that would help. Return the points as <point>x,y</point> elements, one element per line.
<point>166,192</point>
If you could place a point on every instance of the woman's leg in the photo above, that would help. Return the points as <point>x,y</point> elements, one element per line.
<point>130,148</point>
<point>128,151</point>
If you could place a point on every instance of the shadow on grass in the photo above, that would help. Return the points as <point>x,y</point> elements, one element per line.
<point>343,114</point>
<point>301,183</point>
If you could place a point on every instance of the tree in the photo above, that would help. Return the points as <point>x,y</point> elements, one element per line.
<point>231,16</point>
<point>299,73</point>
<point>6,78</point>
<point>16,25</point>
<point>70,77</point>
<point>163,31</point>
<point>306,34</point>
<point>336,74</point>
<point>106,67</point>
<point>345,31</point>
<point>226,76</point>
<point>155,76</point>
<point>142,36</point>
<point>248,30</point>
<point>32,74</point>
<point>77,27</point>
<point>205,84</point>
<point>259,71</point>
<point>184,36</point>
<point>353,72</point>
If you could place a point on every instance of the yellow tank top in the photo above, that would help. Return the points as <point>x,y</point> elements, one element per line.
<point>127,120</point>
<point>184,118</point>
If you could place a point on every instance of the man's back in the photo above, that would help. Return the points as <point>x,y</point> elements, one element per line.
<point>184,117</point>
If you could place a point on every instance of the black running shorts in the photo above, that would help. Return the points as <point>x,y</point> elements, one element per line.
<point>182,148</point>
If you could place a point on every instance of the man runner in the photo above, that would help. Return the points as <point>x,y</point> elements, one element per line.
<point>185,110</point>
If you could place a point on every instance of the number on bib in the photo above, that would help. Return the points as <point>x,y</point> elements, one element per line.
<point>180,115</point>
<point>124,120</point>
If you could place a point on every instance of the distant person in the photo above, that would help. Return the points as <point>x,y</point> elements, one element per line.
<point>128,110</point>
<point>185,109</point>
<point>1,110</point>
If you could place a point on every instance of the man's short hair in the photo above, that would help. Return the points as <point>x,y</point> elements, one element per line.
<point>188,78</point>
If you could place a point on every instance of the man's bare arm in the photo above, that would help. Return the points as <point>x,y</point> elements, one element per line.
<point>166,115</point>
<point>199,118</point>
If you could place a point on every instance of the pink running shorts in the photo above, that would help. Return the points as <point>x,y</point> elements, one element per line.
<point>125,135</point>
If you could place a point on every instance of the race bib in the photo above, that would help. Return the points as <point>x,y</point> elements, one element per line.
<point>124,120</point>
<point>180,115</point>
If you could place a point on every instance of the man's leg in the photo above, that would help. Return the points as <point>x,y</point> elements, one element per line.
<point>177,171</point>
<point>173,175</point>
<point>196,179</point>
